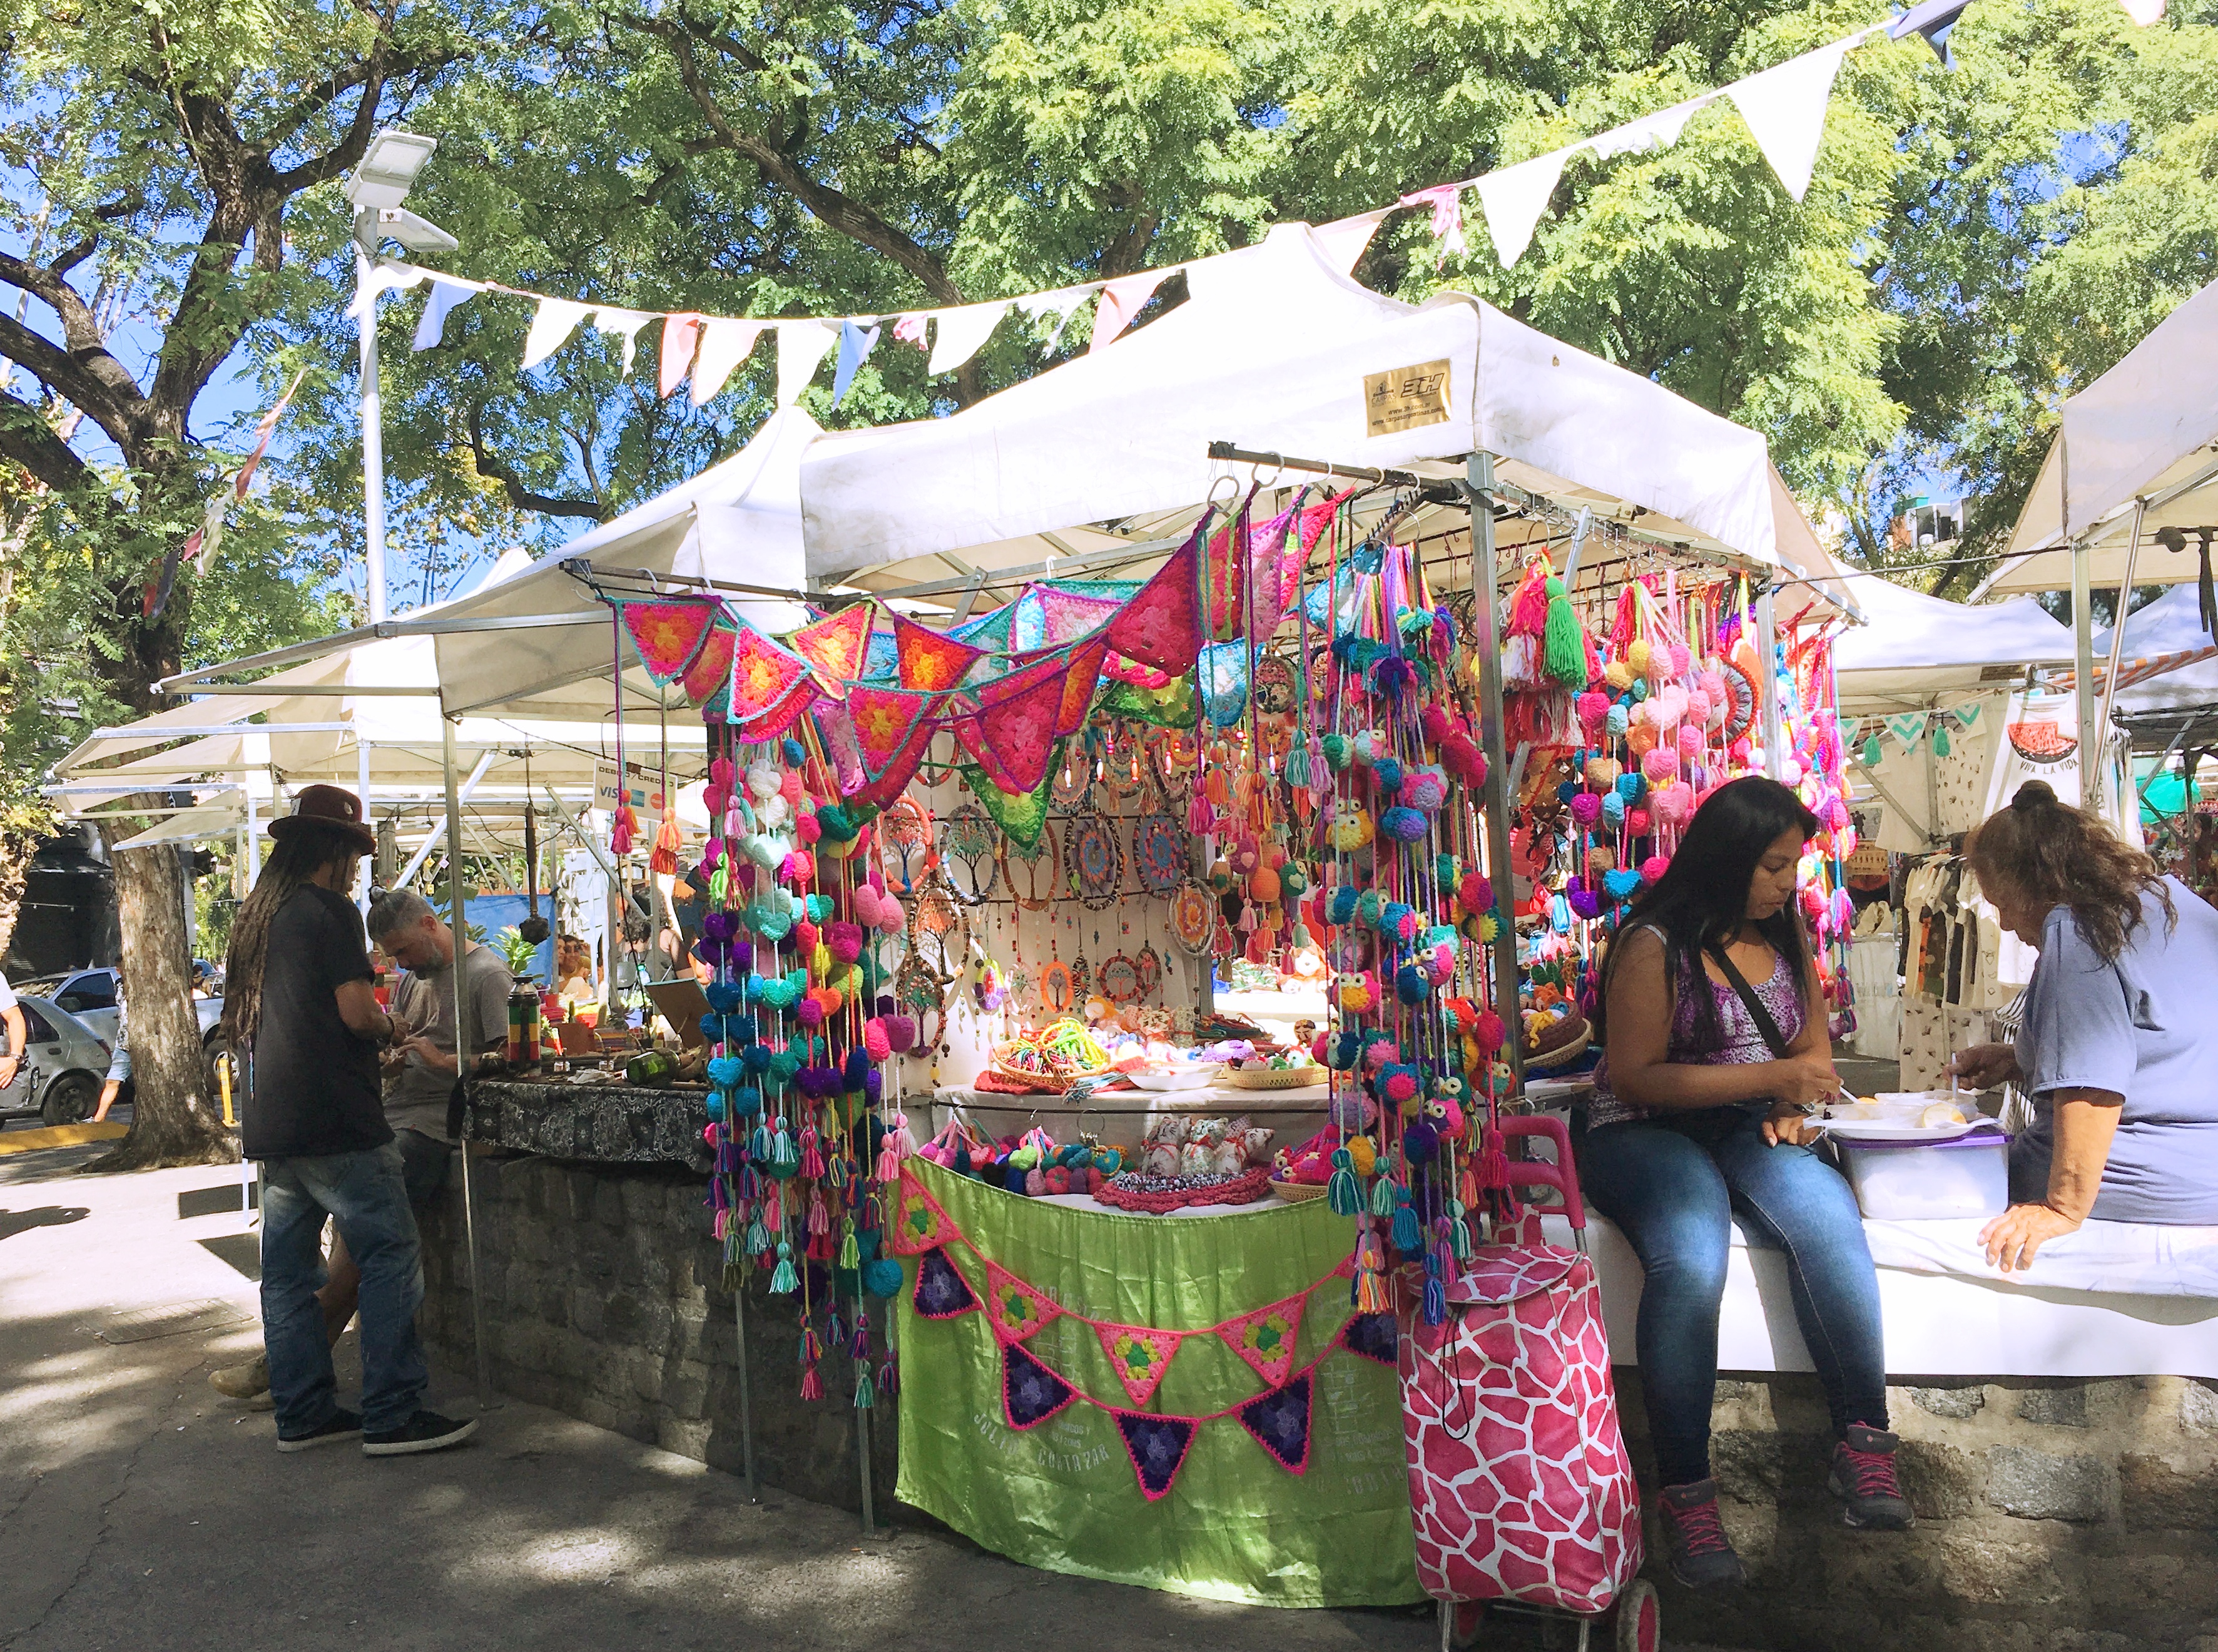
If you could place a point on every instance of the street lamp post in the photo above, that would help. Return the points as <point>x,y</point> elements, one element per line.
<point>376,190</point>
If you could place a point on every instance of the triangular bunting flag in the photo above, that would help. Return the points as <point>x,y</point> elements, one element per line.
<point>835,730</point>
<point>1935,18</point>
<point>711,673</point>
<point>668,632</point>
<point>552,324</point>
<point>919,1224</point>
<point>882,788</point>
<point>680,334</point>
<point>1908,727</point>
<point>942,1293</point>
<point>1374,1336</point>
<point>1279,1421</point>
<point>724,346</point>
<point>1265,1338</point>
<point>1020,815</point>
<point>1343,240</point>
<point>773,723</point>
<point>1967,714</point>
<point>1122,299</point>
<point>1059,304</point>
<point>1048,615</point>
<point>801,348</point>
<point>1030,1393</point>
<point>1275,572</point>
<point>836,646</point>
<point>1014,1308</point>
<point>1515,196</point>
<point>1017,719</point>
<point>1657,131</point>
<point>961,332</point>
<point>1785,109</point>
<point>856,344</point>
<point>1078,684</point>
<point>763,673</point>
<point>883,720</point>
<point>1159,626</point>
<point>928,659</point>
<point>1445,201</point>
<point>1140,1355</point>
<point>438,304</point>
<point>624,325</point>
<point>1157,1447</point>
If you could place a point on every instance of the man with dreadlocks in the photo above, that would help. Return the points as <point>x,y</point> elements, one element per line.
<point>301,1004</point>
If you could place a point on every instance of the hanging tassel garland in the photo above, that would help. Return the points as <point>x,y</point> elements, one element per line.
<point>1566,645</point>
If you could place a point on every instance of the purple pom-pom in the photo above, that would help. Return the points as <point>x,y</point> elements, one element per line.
<point>1419,1141</point>
<point>1402,823</point>
<point>720,925</point>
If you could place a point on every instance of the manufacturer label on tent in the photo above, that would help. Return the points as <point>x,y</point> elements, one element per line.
<point>1406,397</point>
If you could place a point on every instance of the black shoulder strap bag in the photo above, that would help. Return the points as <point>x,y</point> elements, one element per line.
<point>1764,1024</point>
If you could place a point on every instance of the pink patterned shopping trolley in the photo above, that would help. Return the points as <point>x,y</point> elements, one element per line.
<point>1520,1486</point>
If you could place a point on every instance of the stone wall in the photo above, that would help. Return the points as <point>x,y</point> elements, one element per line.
<point>604,1299</point>
<point>2053,1514</point>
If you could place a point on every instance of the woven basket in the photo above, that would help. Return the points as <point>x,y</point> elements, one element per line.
<point>1059,1079</point>
<point>1271,1078</point>
<point>1294,1193</point>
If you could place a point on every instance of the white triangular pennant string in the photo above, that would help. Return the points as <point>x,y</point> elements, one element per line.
<point>961,332</point>
<point>625,325</point>
<point>802,347</point>
<point>551,327</point>
<point>1343,241</point>
<point>724,345</point>
<point>1785,109</point>
<point>1514,198</point>
<point>439,304</point>
<point>384,278</point>
<point>1657,131</point>
<point>1122,299</point>
<point>1060,304</point>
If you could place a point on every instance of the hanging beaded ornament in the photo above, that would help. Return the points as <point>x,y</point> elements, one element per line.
<point>1095,861</point>
<point>1159,853</point>
<point>969,845</point>
<point>1119,980</point>
<point>1194,917</point>
<point>1030,892</point>
<point>1274,686</point>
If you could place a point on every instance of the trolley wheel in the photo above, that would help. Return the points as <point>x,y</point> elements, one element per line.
<point>1639,1618</point>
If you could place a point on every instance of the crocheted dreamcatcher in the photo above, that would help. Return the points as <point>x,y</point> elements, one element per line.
<point>1150,966</point>
<point>1159,853</point>
<point>1118,980</point>
<point>1093,861</point>
<point>1072,783</point>
<point>1740,688</point>
<point>906,828</point>
<point>1194,917</point>
<point>1057,992</point>
<point>969,852</point>
<point>1274,686</point>
<point>1028,890</point>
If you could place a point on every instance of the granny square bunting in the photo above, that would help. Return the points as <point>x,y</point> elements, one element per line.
<point>1015,725</point>
<point>1020,815</point>
<point>835,732</point>
<point>928,660</point>
<point>763,673</point>
<point>1140,1355</point>
<point>1118,668</point>
<point>884,719</point>
<point>710,670</point>
<point>1265,1338</point>
<point>1160,626</point>
<point>836,646</point>
<point>1280,1422</point>
<point>1014,1308</point>
<point>669,631</point>
<point>1275,572</point>
<point>1371,1335</point>
<point>942,1293</point>
<point>1158,1446</point>
<point>1078,686</point>
<point>881,788</point>
<point>920,1224</point>
<point>1226,573</point>
<point>1030,1393</point>
<point>773,722</point>
<point>1048,615</point>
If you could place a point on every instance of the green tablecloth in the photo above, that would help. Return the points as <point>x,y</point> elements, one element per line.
<point>1063,1495</point>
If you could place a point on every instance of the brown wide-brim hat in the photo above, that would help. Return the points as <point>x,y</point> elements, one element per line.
<point>327,809</point>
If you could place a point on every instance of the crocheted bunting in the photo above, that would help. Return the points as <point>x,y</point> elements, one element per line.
<point>1020,815</point>
<point>1374,1336</point>
<point>920,1224</point>
<point>1078,686</point>
<point>763,675</point>
<point>1316,518</point>
<point>1014,1308</point>
<point>1265,1338</point>
<point>988,631</point>
<point>1118,669</point>
<point>1030,1393</point>
<point>1157,1447</point>
<point>942,1293</point>
<point>1140,1355</point>
<point>836,647</point>
<point>1279,1421</point>
<point>1048,615</point>
<point>836,734</point>
<point>1225,682</point>
<point>930,661</point>
<point>1013,732</point>
<point>1159,626</point>
<point>669,631</point>
<point>885,720</point>
<point>711,673</point>
<point>882,788</point>
<point>1225,573</point>
<point>1274,571</point>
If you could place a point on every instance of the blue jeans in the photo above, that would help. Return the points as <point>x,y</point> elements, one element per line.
<point>366,1195</point>
<point>1673,1186</point>
<point>425,1161</point>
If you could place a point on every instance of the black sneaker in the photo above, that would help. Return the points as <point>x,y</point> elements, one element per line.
<point>344,1426</point>
<point>425,1431</point>
<point>1696,1548</point>
<point>1863,1478</point>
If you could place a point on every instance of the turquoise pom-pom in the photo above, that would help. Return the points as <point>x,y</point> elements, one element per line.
<point>724,997</point>
<point>882,1277</point>
<point>795,752</point>
<point>747,1102</point>
<point>726,1071</point>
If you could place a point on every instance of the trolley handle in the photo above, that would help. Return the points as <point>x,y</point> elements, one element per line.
<point>1563,1175</point>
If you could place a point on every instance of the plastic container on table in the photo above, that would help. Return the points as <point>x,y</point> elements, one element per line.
<point>1920,1181</point>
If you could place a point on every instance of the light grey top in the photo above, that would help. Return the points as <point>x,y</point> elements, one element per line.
<point>416,1099</point>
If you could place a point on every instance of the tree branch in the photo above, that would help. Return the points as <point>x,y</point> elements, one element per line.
<point>27,438</point>
<point>91,379</point>
<point>519,495</point>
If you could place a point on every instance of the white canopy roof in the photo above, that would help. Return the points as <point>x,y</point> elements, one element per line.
<point>2146,429</point>
<point>2171,624</point>
<point>1917,647</point>
<point>1271,351</point>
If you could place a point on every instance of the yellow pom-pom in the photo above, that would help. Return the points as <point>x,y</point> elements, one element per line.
<point>1635,657</point>
<point>1362,1157</point>
<point>1617,676</point>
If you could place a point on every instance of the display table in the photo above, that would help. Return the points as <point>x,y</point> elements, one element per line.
<point>614,1124</point>
<point>1121,1116</point>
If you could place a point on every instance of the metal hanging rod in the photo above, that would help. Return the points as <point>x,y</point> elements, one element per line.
<point>1436,491</point>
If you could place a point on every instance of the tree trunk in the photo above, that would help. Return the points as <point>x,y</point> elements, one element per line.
<point>175,1119</point>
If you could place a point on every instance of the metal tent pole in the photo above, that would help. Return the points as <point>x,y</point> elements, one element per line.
<point>2094,796</point>
<point>2083,665</point>
<point>368,861</point>
<point>1767,640</point>
<point>1487,605</point>
<point>462,930</point>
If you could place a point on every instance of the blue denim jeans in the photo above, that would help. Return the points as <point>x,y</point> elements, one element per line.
<point>1673,1187</point>
<point>366,1195</point>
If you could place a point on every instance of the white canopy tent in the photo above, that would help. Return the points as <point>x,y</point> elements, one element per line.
<point>1916,649</point>
<point>2171,707</point>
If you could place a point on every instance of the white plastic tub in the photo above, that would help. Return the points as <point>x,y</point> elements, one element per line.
<point>1918,1181</point>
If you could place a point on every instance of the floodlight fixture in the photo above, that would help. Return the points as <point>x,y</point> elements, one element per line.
<point>387,168</point>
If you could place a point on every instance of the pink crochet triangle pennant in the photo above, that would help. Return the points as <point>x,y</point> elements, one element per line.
<point>882,788</point>
<point>836,647</point>
<point>929,661</point>
<point>669,631</point>
<point>1141,1356</point>
<point>1017,719</point>
<point>1078,686</point>
<point>919,1224</point>
<point>1274,570</point>
<point>711,666</point>
<point>1014,1308</point>
<point>763,674</point>
<point>884,719</point>
<point>1066,616</point>
<point>1265,1338</point>
<point>1160,626</point>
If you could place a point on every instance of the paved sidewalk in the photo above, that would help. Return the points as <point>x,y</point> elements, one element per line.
<point>140,1509</point>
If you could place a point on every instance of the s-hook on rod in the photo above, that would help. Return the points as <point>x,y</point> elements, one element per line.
<point>1436,491</point>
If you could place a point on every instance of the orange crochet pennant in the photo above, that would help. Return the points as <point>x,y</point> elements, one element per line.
<point>763,673</point>
<point>928,660</point>
<point>884,718</point>
<point>1140,1355</point>
<point>1265,1338</point>
<point>668,631</point>
<point>1014,1308</point>
<point>711,669</point>
<point>836,647</point>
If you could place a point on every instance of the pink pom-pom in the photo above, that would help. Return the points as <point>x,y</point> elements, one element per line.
<point>1401,1087</point>
<point>1680,659</point>
<point>1691,743</point>
<point>1586,809</point>
<point>1318,1046</point>
<point>1594,714</point>
<point>1836,815</point>
<point>1383,1054</point>
<point>1435,722</point>
<point>811,1010</point>
<point>712,854</point>
<point>806,830</point>
<point>876,1044</point>
<point>1659,764</point>
<point>799,867</point>
<point>1652,869</point>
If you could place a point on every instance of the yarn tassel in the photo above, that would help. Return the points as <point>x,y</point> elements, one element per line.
<point>663,858</point>
<point>812,1345</point>
<point>820,1219</point>
<point>757,1237</point>
<point>812,1158</point>
<point>1382,1197</point>
<point>1566,646</point>
<point>812,1386</point>
<point>865,1399</point>
<point>1493,1163</point>
<point>849,1257</point>
<point>1298,766</point>
<point>1371,1292</point>
<point>1436,1296</point>
<point>784,1281</point>
<point>1409,1237</point>
<point>889,1377</point>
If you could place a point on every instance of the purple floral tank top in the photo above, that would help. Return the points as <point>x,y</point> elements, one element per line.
<point>1743,1041</point>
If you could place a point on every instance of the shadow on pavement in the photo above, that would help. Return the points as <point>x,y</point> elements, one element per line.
<point>17,1222</point>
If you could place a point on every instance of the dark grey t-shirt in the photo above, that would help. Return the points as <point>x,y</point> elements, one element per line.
<point>417,1097</point>
<point>2142,1027</point>
<point>315,1083</point>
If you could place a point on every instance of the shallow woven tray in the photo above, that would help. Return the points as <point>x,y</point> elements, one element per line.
<point>1271,1077</point>
<point>1295,1192</point>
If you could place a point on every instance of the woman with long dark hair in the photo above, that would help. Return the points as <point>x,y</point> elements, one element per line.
<point>2118,1046</point>
<point>1716,1051</point>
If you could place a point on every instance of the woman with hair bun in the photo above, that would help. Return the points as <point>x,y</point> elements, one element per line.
<point>2119,1046</point>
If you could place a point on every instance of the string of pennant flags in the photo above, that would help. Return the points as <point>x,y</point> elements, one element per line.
<point>1910,729</point>
<point>1783,106</point>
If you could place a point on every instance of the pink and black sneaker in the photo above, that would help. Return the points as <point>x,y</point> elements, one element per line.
<point>1696,1548</point>
<point>1863,1478</point>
